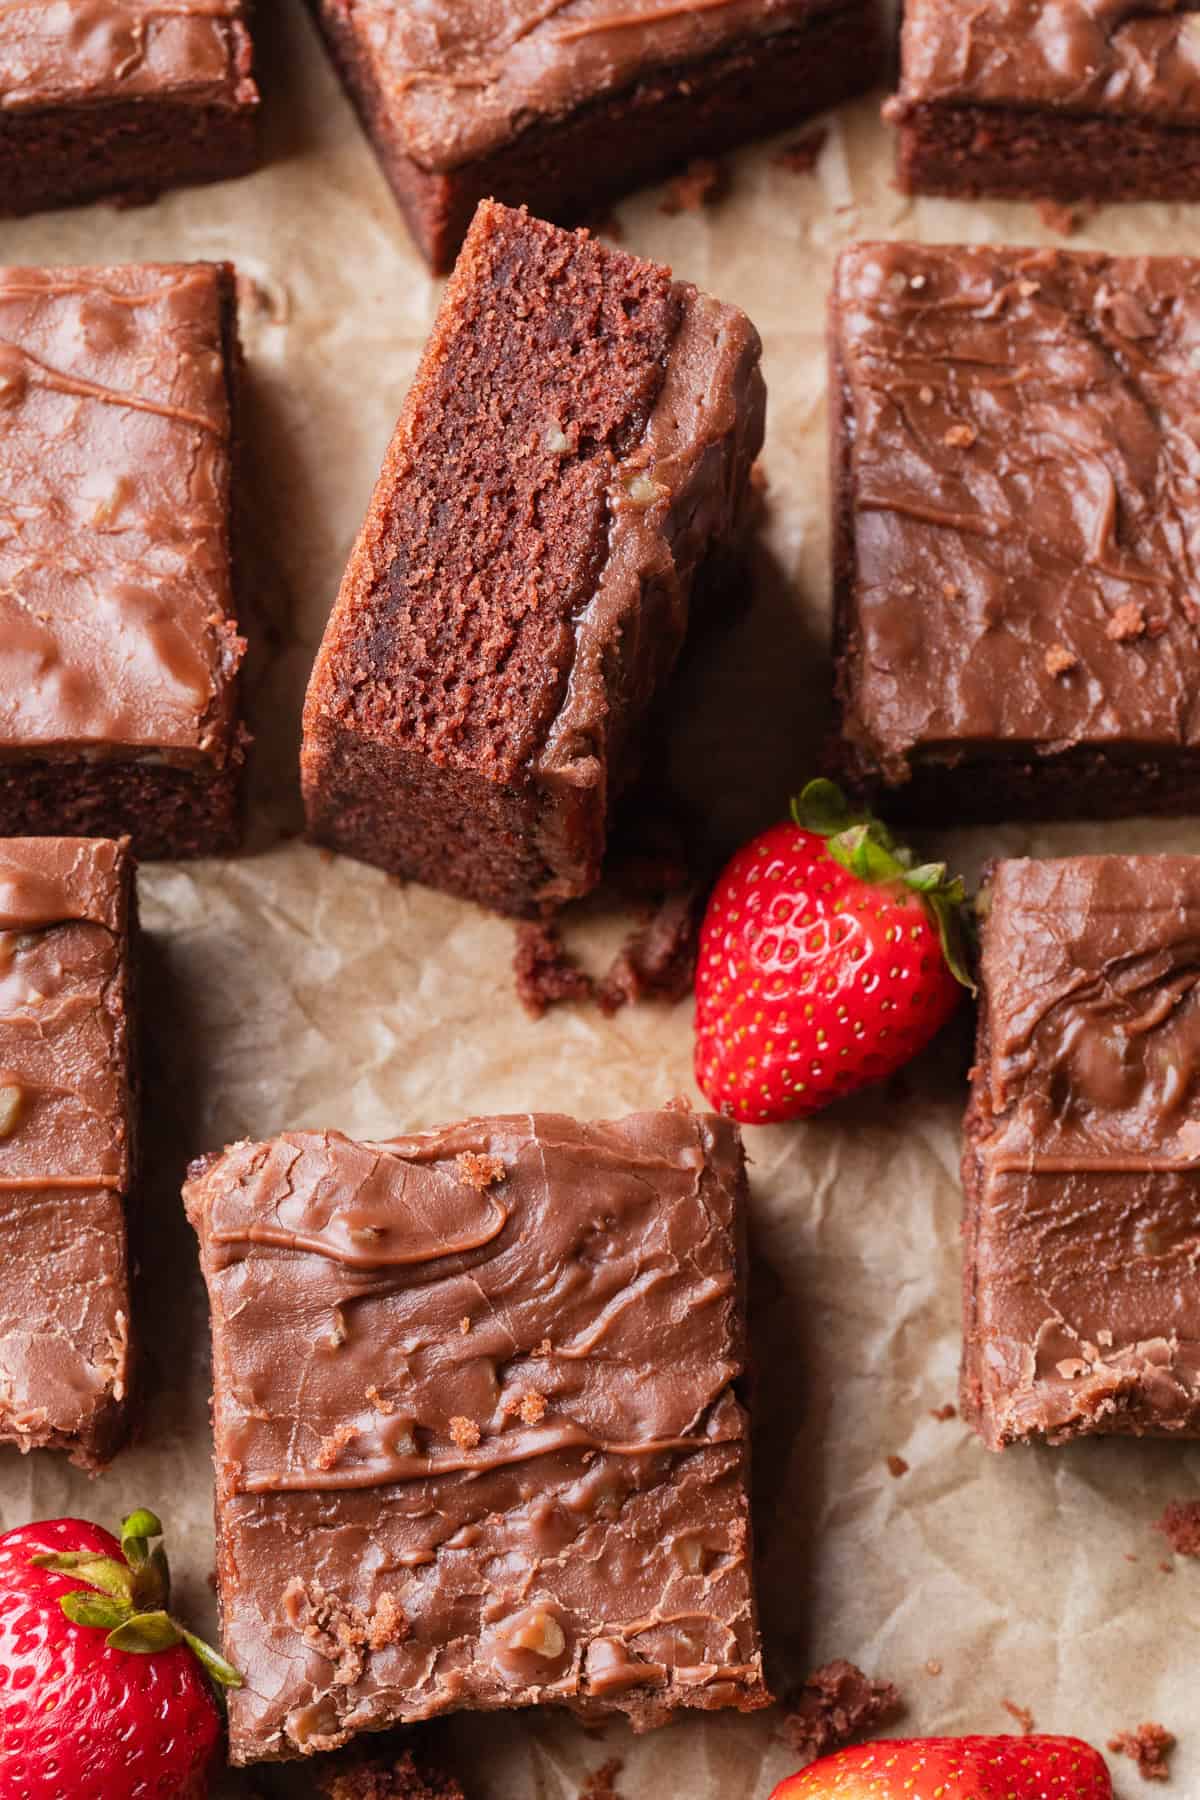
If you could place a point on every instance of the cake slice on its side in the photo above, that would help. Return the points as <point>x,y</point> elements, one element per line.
<point>576,445</point>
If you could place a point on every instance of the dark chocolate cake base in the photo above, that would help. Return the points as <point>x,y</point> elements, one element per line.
<point>127,151</point>
<point>1019,153</point>
<point>167,811</point>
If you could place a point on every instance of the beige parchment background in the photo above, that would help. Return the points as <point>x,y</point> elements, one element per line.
<point>286,989</point>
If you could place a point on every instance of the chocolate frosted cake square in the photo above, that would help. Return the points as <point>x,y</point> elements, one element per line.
<point>67,1143</point>
<point>1015,509</point>
<point>1082,1158</point>
<point>478,1435</point>
<point>576,445</point>
<point>122,99</point>
<point>563,105</point>
<point>1087,100</point>
<point>118,646</point>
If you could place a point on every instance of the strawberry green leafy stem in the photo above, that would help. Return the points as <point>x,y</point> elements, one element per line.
<point>867,848</point>
<point>129,1600</point>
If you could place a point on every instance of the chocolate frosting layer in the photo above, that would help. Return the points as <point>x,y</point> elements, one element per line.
<point>1024,483</point>
<point>466,76</point>
<point>679,493</point>
<point>1138,57</point>
<point>1082,1163</point>
<point>477,1440</point>
<point>68,52</point>
<point>116,636</point>
<point>65,1140</point>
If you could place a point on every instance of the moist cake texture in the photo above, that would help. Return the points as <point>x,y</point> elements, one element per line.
<point>562,105</point>
<point>1094,99</point>
<point>122,98</point>
<point>1016,509</point>
<point>1082,1158</point>
<point>118,647</point>
<point>478,1439</point>
<point>67,1144</point>
<point>575,448</point>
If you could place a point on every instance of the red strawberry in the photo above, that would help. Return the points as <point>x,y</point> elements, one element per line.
<point>827,959</point>
<point>102,1695</point>
<point>969,1768</point>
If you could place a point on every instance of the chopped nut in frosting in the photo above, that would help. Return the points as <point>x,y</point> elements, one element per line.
<point>642,490</point>
<point>11,1100</point>
<point>540,1633</point>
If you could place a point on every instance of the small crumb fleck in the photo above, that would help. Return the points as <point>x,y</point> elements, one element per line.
<point>464,1325</point>
<point>479,1171</point>
<point>801,155</point>
<point>960,437</point>
<point>1060,660</point>
<point>533,1408</point>
<point>387,1624</point>
<point>698,186</point>
<point>1027,289</point>
<point>897,1466</point>
<point>1065,220</point>
<point>1149,1746</point>
<point>607,224</point>
<point>943,1413</point>
<point>933,1666</point>
<point>1127,622</point>
<point>380,1402</point>
<point>1180,1525</point>
<point>1129,1556</point>
<point>925,396</point>
<point>545,971</point>
<point>465,1432</point>
<point>600,1784</point>
<point>545,1348</point>
<point>1021,1714</point>
<point>332,1446</point>
<point>1166,1568</point>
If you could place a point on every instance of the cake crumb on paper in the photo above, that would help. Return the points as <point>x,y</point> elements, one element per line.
<point>837,1705</point>
<point>546,972</point>
<point>385,1779</point>
<point>1021,1714</point>
<point>601,1783</point>
<point>657,960</point>
<point>1065,220</point>
<point>1149,1747</point>
<point>897,1466</point>
<point>801,156</point>
<point>944,1413</point>
<point>1180,1525</point>
<point>699,185</point>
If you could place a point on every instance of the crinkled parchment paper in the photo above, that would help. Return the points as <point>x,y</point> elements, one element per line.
<point>287,988</point>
